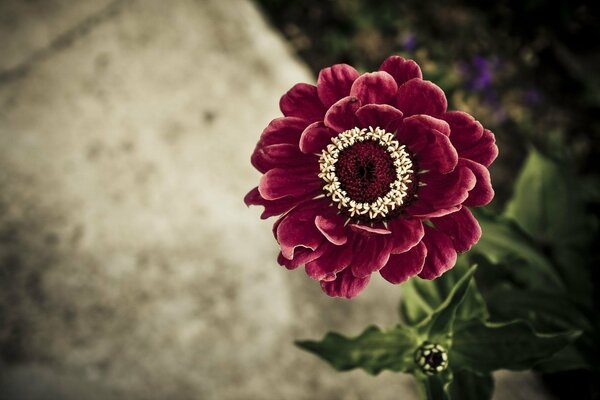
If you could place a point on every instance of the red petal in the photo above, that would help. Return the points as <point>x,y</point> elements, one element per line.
<point>374,87</point>
<point>441,255</point>
<point>333,260</point>
<point>406,233</point>
<point>302,101</point>
<point>279,182</point>
<point>369,230</point>
<point>274,207</point>
<point>465,129</point>
<point>379,115</point>
<point>282,155</point>
<point>331,226</point>
<point>483,192</point>
<point>400,267</point>
<point>400,69</point>
<point>297,229</point>
<point>432,149</point>
<point>447,190</point>
<point>484,151</point>
<point>421,97</point>
<point>316,137</point>
<point>371,254</point>
<point>335,82</point>
<point>340,116</point>
<point>302,255</point>
<point>345,285</point>
<point>461,226</point>
<point>282,130</point>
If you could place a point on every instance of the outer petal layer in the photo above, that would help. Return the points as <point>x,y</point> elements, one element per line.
<point>302,101</point>
<point>461,227</point>
<point>374,87</point>
<point>421,97</point>
<point>400,267</point>
<point>441,255</point>
<point>345,285</point>
<point>400,69</point>
<point>335,82</point>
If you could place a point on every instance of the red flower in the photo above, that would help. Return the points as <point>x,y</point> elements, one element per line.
<point>371,173</point>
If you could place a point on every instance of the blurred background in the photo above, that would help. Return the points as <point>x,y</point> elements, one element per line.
<point>130,267</point>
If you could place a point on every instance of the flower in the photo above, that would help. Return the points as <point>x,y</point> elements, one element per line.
<point>371,173</point>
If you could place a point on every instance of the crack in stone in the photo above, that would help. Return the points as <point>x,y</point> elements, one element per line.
<point>62,41</point>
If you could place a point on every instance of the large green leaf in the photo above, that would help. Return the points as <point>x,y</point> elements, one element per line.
<point>503,242</point>
<point>546,202</point>
<point>422,297</point>
<point>374,350</point>
<point>467,385</point>
<point>438,327</point>
<point>484,346</point>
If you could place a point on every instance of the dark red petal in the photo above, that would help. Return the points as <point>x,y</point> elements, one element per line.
<point>316,137</point>
<point>374,87</point>
<point>340,116</point>
<point>424,210</point>
<point>379,115</point>
<point>333,260</point>
<point>280,182</point>
<point>465,129</point>
<point>331,226</point>
<point>400,267</point>
<point>483,192</point>
<point>431,148</point>
<point>484,151</point>
<point>370,255</point>
<point>400,69</point>
<point>335,82</point>
<point>282,155</point>
<point>282,130</point>
<point>406,233</point>
<point>421,97</point>
<point>302,101</point>
<point>447,190</point>
<point>441,255</point>
<point>461,227</point>
<point>297,229</point>
<point>275,207</point>
<point>345,285</point>
<point>369,230</point>
<point>302,255</point>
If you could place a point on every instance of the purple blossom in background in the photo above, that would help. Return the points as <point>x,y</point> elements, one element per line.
<point>478,76</point>
<point>409,42</point>
<point>532,97</point>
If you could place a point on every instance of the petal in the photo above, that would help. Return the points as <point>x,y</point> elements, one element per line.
<point>447,190</point>
<point>431,148</point>
<point>345,285</point>
<point>400,69</point>
<point>406,233</point>
<point>465,129</point>
<point>280,182</point>
<point>400,267</point>
<point>316,137</point>
<point>370,255</point>
<point>369,230</point>
<point>302,256</point>
<point>483,192</point>
<point>297,229</point>
<point>374,87</point>
<point>333,260</point>
<point>282,155</point>
<point>340,116</point>
<point>331,226</point>
<point>302,101</point>
<point>421,97</point>
<point>282,130</point>
<point>484,151</point>
<point>441,255</point>
<point>379,115</point>
<point>274,207</point>
<point>335,82</point>
<point>461,227</point>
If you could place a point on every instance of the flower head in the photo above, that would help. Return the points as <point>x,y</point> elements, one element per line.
<point>371,173</point>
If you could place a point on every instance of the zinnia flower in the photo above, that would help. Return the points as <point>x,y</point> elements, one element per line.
<point>372,173</point>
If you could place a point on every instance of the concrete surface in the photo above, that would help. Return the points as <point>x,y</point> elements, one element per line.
<point>129,266</point>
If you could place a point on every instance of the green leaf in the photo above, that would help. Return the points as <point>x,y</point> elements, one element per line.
<point>546,202</point>
<point>434,387</point>
<point>467,385</point>
<point>421,297</point>
<point>373,350</point>
<point>503,242</point>
<point>484,346</point>
<point>438,327</point>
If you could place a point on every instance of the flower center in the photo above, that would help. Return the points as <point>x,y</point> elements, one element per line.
<point>367,173</point>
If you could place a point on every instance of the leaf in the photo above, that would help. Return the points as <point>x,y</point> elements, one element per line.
<point>373,350</point>
<point>421,297</point>
<point>438,327</point>
<point>434,387</point>
<point>546,202</point>
<point>484,346</point>
<point>467,385</point>
<point>503,241</point>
